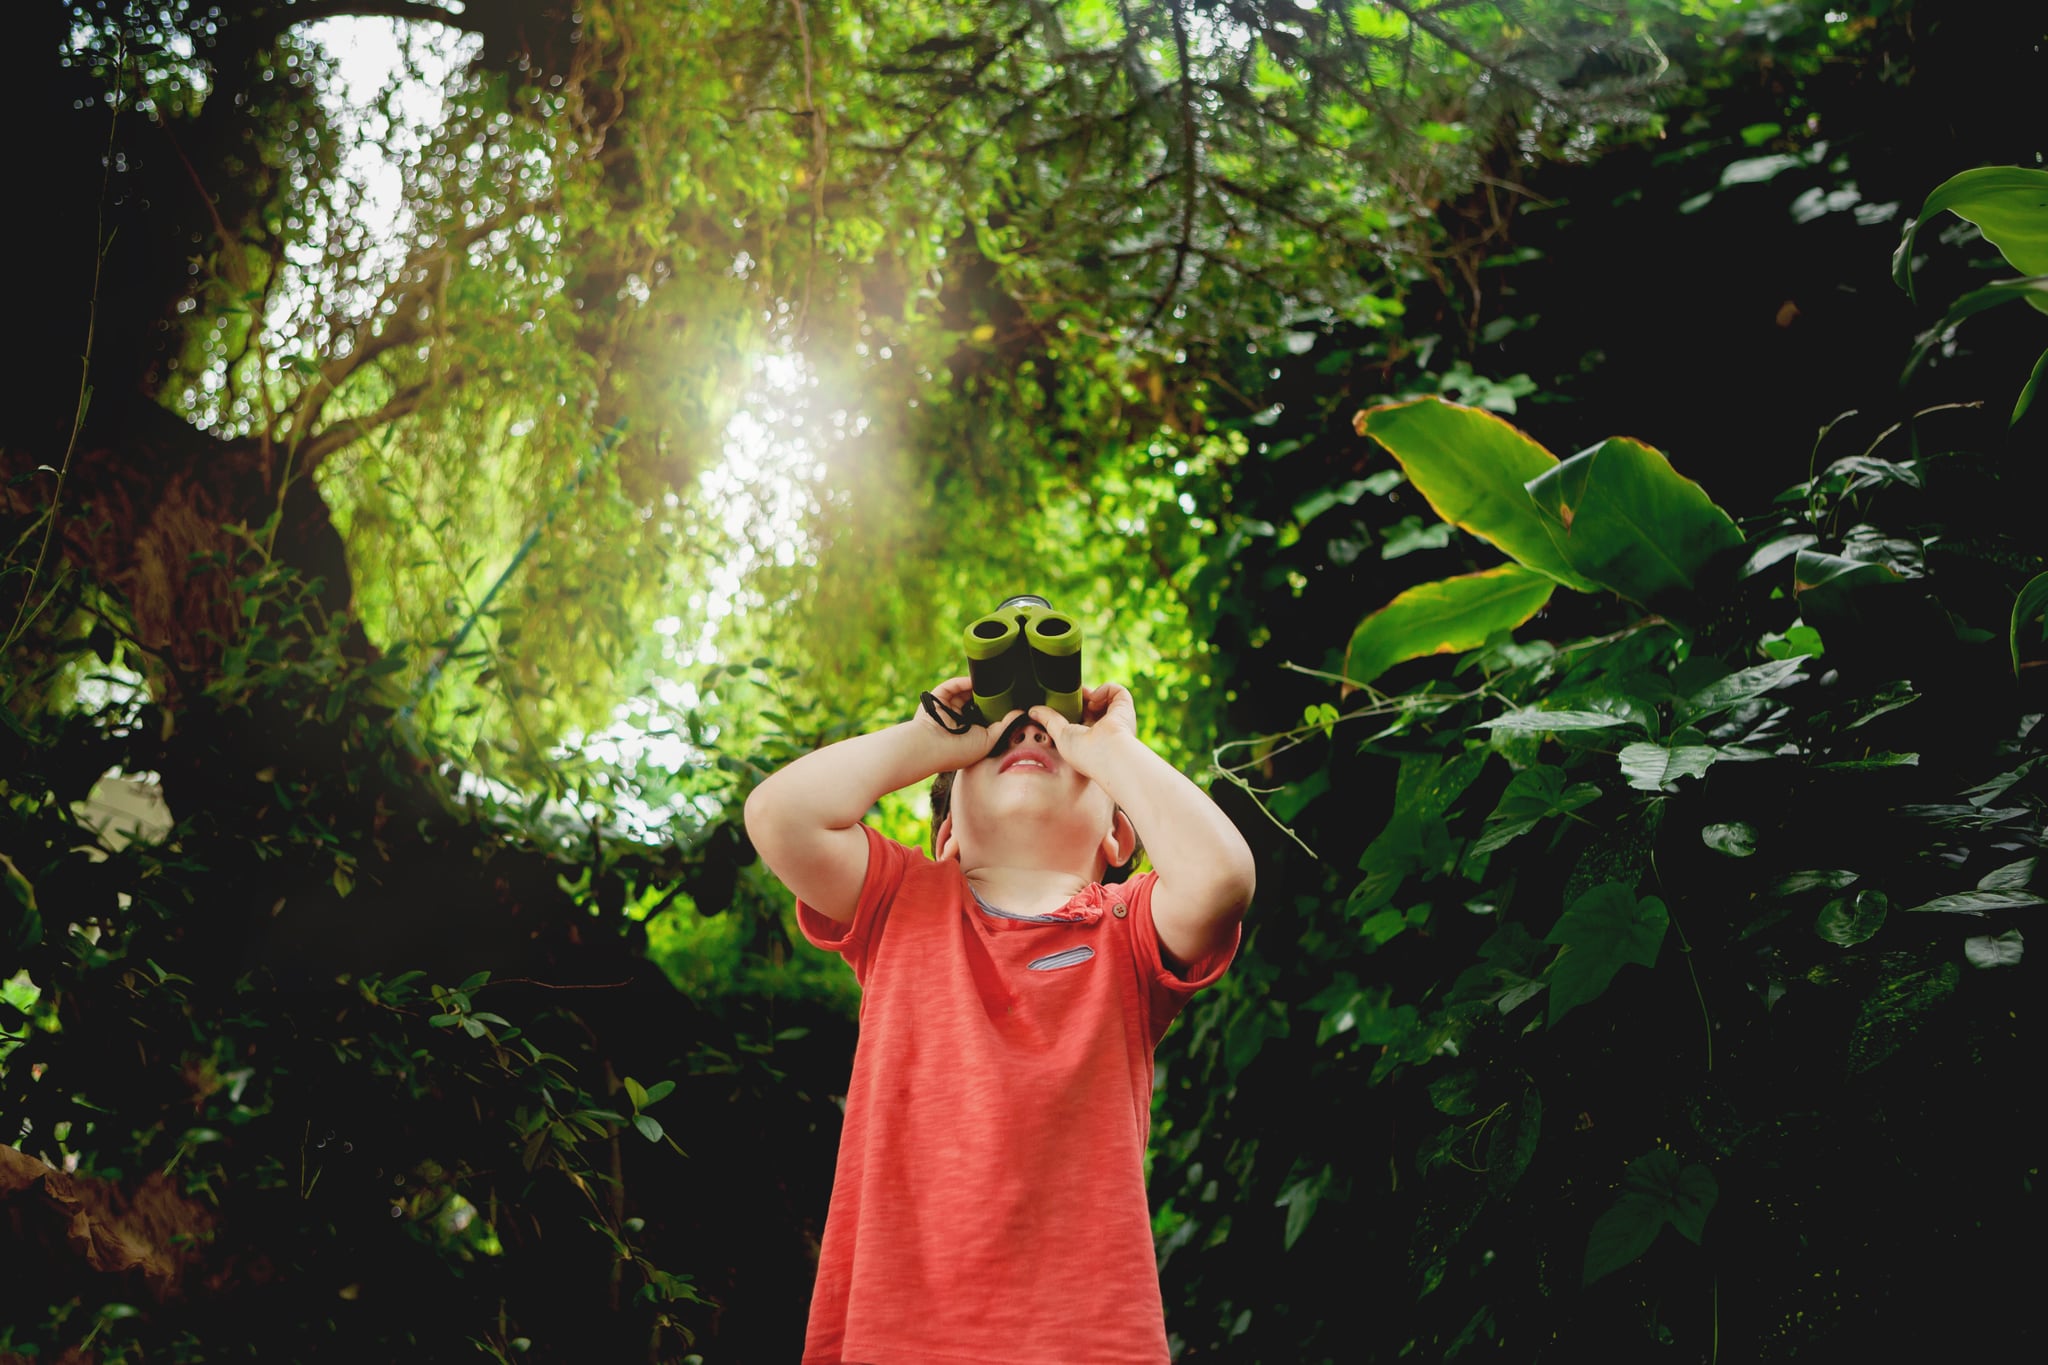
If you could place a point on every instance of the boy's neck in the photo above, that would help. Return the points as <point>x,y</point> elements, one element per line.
<point>1027,890</point>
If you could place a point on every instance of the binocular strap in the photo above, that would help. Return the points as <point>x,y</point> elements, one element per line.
<point>953,723</point>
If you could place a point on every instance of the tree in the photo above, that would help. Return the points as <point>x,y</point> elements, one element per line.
<point>618,206</point>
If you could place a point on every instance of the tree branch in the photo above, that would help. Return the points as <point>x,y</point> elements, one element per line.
<point>350,429</point>
<point>1425,20</point>
<point>1190,182</point>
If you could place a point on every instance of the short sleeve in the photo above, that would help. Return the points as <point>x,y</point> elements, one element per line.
<point>1165,991</point>
<point>855,939</point>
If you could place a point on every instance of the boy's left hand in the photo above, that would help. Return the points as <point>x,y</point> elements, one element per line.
<point>1108,714</point>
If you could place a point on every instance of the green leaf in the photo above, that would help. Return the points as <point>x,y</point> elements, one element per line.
<point>2032,602</point>
<point>1870,762</point>
<point>1446,617</point>
<point>1655,1190</point>
<point>1834,586</point>
<point>1849,920</point>
<point>1535,719</point>
<point>1532,796</point>
<point>1812,879</point>
<point>1621,516</point>
<point>2001,951</point>
<point>2028,390</point>
<point>1300,1197</point>
<point>1891,1014</point>
<point>1979,902</point>
<point>1692,1200</point>
<point>658,1092</point>
<point>1737,840</point>
<point>1473,469</point>
<point>1743,685</point>
<point>1622,1234</point>
<point>1410,534</point>
<point>2031,289</point>
<point>2011,877</point>
<point>1511,1143</point>
<point>2009,205</point>
<point>1602,932</point>
<point>1453,1093</point>
<point>637,1093</point>
<point>1657,767</point>
<point>650,1128</point>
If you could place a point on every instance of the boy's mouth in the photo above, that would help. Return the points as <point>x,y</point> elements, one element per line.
<point>1020,758</point>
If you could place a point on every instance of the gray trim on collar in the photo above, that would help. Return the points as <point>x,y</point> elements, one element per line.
<point>1008,914</point>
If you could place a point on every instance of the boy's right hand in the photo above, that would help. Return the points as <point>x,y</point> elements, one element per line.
<point>804,818</point>
<point>972,744</point>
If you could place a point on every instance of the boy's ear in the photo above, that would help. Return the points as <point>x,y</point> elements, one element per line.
<point>1121,842</point>
<point>944,845</point>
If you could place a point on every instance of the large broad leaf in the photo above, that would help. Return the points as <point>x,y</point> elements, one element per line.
<point>1473,469</point>
<point>1621,516</point>
<point>1655,1190</point>
<point>2009,205</point>
<point>2031,603</point>
<point>1446,617</point>
<point>1602,932</point>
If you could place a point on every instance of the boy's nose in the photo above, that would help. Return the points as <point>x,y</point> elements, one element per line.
<point>1030,730</point>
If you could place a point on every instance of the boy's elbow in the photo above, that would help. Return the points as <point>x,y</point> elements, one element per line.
<point>762,816</point>
<point>1240,881</point>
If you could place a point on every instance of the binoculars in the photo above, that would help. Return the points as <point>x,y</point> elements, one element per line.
<point>1024,654</point>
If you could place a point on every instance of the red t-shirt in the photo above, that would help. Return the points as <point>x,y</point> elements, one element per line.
<point>988,1206</point>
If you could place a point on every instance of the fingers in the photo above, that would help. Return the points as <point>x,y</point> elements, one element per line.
<point>1100,701</point>
<point>1051,721</point>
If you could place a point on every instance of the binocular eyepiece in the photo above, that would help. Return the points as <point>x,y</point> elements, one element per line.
<point>1024,654</point>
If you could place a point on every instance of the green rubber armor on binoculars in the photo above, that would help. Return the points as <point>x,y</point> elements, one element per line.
<point>1024,654</point>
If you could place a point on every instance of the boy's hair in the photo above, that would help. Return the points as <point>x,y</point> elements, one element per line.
<point>942,804</point>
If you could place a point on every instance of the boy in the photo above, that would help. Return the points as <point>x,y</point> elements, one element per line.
<point>988,1206</point>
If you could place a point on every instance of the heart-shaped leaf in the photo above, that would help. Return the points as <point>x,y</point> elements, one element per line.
<point>1849,920</point>
<point>1602,932</point>
<point>1655,1190</point>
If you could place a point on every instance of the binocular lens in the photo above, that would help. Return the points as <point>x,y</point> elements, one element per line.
<point>1022,654</point>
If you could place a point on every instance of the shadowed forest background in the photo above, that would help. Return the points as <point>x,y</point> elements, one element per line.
<point>458,450</point>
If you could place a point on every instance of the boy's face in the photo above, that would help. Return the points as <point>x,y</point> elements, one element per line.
<point>1025,798</point>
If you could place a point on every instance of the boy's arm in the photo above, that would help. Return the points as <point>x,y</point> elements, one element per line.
<point>804,819</point>
<point>1205,867</point>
